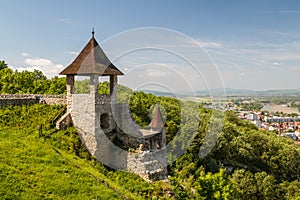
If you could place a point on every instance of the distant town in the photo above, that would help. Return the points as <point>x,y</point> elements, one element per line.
<point>279,114</point>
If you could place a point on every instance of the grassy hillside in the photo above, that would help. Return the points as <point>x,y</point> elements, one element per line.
<point>246,163</point>
<point>55,165</point>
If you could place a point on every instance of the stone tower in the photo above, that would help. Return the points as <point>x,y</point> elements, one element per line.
<point>105,126</point>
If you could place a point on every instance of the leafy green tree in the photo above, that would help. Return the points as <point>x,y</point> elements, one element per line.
<point>104,88</point>
<point>25,82</point>
<point>56,85</point>
<point>6,80</point>
<point>266,185</point>
<point>140,104</point>
<point>216,186</point>
<point>251,106</point>
<point>246,183</point>
<point>3,65</point>
<point>82,86</point>
<point>289,190</point>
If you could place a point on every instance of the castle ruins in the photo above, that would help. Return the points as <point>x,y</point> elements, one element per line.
<point>106,126</point>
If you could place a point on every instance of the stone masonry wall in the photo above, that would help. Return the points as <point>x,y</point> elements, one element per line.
<point>86,111</point>
<point>150,165</point>
<point>29,99</point>
<point>125,121</point>
<point>83,116</point>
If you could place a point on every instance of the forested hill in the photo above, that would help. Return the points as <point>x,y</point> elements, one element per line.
<point>246,163</point>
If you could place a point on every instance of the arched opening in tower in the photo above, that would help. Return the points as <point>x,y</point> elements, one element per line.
<point>104,121</point>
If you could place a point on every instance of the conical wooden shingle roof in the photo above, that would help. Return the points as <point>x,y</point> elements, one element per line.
<point>91,60</point>
<point>157,122</point>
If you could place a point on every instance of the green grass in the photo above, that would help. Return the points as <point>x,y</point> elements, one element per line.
<point>56,165</point>
<point>32,169</point>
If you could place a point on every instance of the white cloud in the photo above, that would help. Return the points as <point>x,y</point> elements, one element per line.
<point>289,55</point>
<point>45,65</point>
<point>69,21</point>
<point>289,11</point>
<point>66,21</point>
<point>242,74</point>
<point>196,42</point>
<point>213,45</point>
<point>156,73</point>
<point>261,57</point>
<point>25,54</point>
<point>38,62</point>
<point>73,53</point>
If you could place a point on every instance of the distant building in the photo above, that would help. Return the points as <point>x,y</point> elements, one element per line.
<point>257,123</point>
<point>297,133</point>
<point>272,128</point>
<point>290,135</point>
<point>265,125</point>
<point>252,117</point>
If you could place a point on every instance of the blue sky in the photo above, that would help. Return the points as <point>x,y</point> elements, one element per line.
<point>254,44</point>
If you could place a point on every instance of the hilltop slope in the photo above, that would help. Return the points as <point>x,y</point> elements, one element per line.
<point>55,165</point>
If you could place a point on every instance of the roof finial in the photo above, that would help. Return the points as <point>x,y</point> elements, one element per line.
<point>93,32</point>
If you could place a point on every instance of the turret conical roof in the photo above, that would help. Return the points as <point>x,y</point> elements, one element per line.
<point>91,60</point>
<point>157,122</point>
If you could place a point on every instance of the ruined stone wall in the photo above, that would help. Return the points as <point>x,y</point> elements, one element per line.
<point>29,99</point>
<point>127,141</point>
<point>153,142</point>
<point>54,99</point>
<point>150,165</point>
<point>86,111</point>
<point>124,120</point>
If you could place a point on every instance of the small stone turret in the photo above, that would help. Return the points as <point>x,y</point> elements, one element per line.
<point>157,122</point>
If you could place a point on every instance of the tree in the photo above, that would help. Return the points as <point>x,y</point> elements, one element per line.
<point>246,183</point>
<point>57,86</point>
<point>3,65</point>
<point>216,186</point>
<point>289,190</point>
<point>266,185</point>
<point>6,81</point>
